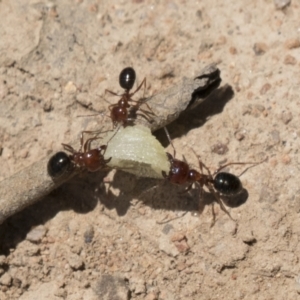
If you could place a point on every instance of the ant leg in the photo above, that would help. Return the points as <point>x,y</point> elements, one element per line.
<point>149,114</point>
<point>139,87</point>
<point>69,148</point>
<point>201,164</point>
<point>96,137</point>
<point>213,214</point>
<point>240,163</point>
<point>111,106</point>
<point>172,219</point>
<point>188,188</point>
<point>145,116</point>
<point>86,145</point>
<point>140,102</point>
<point>116,131</point>
<point>217,197</point>
<point>111,92</point>
<point>170,141</point>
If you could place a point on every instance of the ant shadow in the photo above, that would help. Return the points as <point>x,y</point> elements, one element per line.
<point>161,194</point>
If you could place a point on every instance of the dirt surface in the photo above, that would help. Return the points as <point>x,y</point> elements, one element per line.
<point>87,240</point>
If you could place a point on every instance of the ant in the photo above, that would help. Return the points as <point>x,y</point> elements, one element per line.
<point>87,158</point>
<point>218,183</point>
<point>119,112</point>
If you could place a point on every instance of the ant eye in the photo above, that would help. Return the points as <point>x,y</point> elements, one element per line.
<point>227,183</point>
<point>59,164</point>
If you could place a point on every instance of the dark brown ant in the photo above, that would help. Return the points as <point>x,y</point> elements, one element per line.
<point>218,183</point>
<point>120,112</point>
<point>86,158</point>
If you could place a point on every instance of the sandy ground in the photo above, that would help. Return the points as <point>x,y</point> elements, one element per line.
<point>84,241</point>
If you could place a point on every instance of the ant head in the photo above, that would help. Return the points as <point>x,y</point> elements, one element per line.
<point>179,172</point>
<point>227,183</point>
<point>127,78</point>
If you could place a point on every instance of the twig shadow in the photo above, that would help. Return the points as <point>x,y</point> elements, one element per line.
<point>78,195</point>
<point>197,117</point>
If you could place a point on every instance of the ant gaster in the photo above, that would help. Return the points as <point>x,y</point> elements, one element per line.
<point>217,183</point>
<point>86,158</point>
<point>59,164</point>
<point>120,111</point>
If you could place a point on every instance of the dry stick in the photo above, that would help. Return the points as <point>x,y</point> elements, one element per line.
<point>33,182</point>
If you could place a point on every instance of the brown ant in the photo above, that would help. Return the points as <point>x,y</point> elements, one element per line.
<point>119,112</point>
<point>218,183</point>
<point>86,158</point>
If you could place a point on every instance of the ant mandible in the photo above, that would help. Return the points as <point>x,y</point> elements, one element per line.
<point>119,112</point>
<point>90,159</point>
<point>218,183</point>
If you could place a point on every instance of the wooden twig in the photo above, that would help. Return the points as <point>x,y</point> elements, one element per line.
<point>32,183</point>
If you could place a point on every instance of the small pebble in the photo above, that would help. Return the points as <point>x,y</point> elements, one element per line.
<point>280,4</point>
<point>36,234</point>
<point>70,87</point>
<point>180,242</point>
<point>75,261</point>
<point>6,279</point>
<point>221,40</point>
<point>89,234</point>
<point>239,135</point>
<point>286,117</point>
<point>275,136</point>
<point>297,284</point>
<point>259,107</point>
<point>290,60</point>
<point>260,48</point>
<point>232,50</point>
<point>138,286</point>
<point>181,266</point>
<point>109,285</point>
<point>265,88</point>
<point>23,153</point>
<point>292,43</point>
<point>286,159</point>
<point>151,296</point>
<point>47,107</point>
<point>219,148</point>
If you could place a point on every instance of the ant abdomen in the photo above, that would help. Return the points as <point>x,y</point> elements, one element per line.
<point>227,183</point>
<point>59,164</point>
<point>127,78</point>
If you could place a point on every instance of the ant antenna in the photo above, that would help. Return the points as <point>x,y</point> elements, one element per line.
<point>170,141</point>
